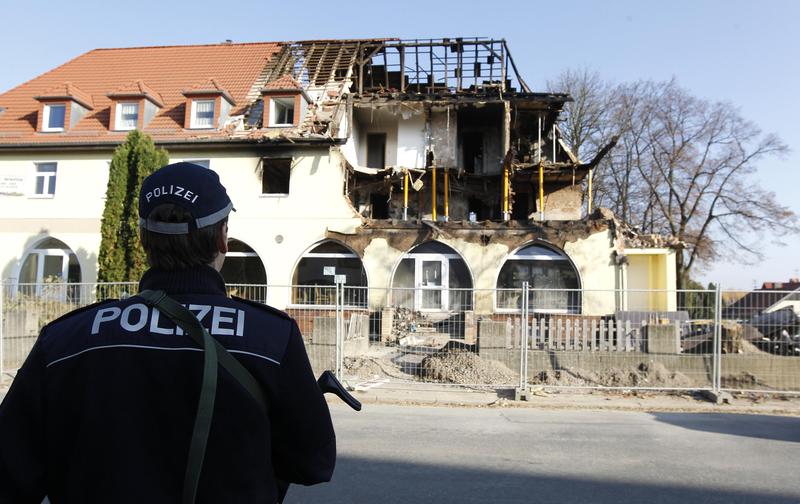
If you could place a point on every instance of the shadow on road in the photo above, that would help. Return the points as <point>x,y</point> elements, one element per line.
<point>776,428</point>
<point>360,480</point>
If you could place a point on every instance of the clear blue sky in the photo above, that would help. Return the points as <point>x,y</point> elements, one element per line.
<point>744,52</point>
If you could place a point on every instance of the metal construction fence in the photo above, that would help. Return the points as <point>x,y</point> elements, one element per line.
<point>499,338</point>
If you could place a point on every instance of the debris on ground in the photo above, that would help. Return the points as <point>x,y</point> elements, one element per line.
<point>407,322</point>
<point>362,367</point>
<point>646,374</point>
<point>467,368</point>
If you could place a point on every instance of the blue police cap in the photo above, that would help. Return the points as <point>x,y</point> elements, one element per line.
<point>193,187</point>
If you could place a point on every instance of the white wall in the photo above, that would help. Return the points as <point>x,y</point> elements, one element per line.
<point>411,142</point>
<point>72,215</point>
<point>591,257</point>
<point>280,228</point>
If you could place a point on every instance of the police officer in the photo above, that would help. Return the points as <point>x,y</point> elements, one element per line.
<point>103,408</point>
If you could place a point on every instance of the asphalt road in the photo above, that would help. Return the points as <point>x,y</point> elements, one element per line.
<point>394,454</point>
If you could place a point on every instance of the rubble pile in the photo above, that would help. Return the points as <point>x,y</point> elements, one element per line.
<point>465,367</point>
<point>362,367</point>
<point>646,374</point>
<point>407,321</point>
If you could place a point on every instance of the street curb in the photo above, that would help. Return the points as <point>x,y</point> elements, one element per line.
<point>579,402</point>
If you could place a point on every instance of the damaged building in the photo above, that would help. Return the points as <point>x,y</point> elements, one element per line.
<point>425,174</point>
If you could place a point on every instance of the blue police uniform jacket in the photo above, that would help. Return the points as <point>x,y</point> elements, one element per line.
<point>103,408</point>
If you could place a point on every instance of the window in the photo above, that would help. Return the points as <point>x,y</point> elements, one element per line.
<point>54,117</point>
<point>275,175</point>
<point>45,179</point>
<point>282,112</point>
<point>127,116</point>
<point>432,277</point>
<point>45,269</point>
<point>315,274</point>
<point>244,272</point>
<point>202,113</point>
<point>550,275</point>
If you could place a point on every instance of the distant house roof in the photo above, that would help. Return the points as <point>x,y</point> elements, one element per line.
<point>95,77</point>
<point>757,301</point>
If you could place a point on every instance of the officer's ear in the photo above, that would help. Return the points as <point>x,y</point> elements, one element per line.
<point>222,240</point>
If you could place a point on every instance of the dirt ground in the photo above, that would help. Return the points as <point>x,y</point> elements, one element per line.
<point>456,366</point>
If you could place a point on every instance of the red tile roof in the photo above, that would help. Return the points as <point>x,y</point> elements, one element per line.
<point>66,90</point>
<point>282,82</point>
<point>167,70</point>
<point>209,87</point>
<point>137,88</point>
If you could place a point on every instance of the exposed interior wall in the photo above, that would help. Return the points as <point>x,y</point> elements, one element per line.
<point>411,141</point>
<point>559,204</point>
<point>485,121</point>
<point>444,136</point>
<point>375,120</point>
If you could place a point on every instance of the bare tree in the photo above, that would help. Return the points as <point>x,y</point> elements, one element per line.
<point>587,114</point>
<point>684,167</point>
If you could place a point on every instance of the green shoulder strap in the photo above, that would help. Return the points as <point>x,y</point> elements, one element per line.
<point>213,353</point>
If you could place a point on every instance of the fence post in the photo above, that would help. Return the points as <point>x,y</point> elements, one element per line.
<point>717,355</point>
<point>522,390</point>
<point>339,326</point>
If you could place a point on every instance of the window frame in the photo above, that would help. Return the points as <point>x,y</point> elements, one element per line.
<point>274,102</point>
<point>444,258</point>
<point>118,116</point>
<point>556,256</point>
<point>193,124</point>
<point>47,176</point>
<point>264,161</point>
<point>46,112</point>
<point>310,254</point>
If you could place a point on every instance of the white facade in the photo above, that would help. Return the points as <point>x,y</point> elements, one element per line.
<point>281,228</point>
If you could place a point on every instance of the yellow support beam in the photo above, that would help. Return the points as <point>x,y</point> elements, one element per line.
<point>433,192</point>
<point>405,196</point>
<point>505,191</point>
<point>541,191</point>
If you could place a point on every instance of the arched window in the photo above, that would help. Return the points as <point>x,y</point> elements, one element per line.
<point>48,263</point>
<point>244,272</point>
<point>316,273</point>
<point>551,277</point>
<point>432,276</point>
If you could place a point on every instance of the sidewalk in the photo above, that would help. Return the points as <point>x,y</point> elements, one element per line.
<point>449,396</point>
<point>426,394</point>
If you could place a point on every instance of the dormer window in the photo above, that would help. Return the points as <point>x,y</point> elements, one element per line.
<point>285,103</point>
<point>133,106</point>
<point>282,111</point>
<point>208,105</point>
<point>202,113</point>
<point>54,117</point>
<point>61,108</point>
<point>127,116</point>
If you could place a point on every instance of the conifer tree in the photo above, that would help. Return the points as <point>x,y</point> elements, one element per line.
<point>121,258</point>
